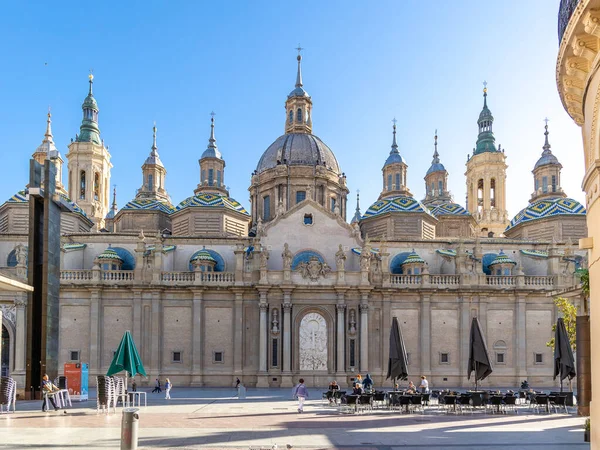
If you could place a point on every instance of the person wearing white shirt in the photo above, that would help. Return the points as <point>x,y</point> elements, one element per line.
<point>424,385</point>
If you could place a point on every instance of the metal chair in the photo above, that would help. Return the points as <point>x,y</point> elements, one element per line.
<point>510,402</point>
<point>416,402</point>
<point>496,403</point>
<point>559,401</point>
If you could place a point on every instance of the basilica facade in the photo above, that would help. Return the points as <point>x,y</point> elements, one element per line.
<point>289,288</point>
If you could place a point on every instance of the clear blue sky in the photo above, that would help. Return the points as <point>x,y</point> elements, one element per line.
<point>364,64</point>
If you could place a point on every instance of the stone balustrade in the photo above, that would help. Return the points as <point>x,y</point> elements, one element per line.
<point>452,280</point>
<point>501,280</point>
<point>539,281</point>
<point>177,277</point>
<point>76,276</point>
<point>197,278</point>
<point>414,280</point>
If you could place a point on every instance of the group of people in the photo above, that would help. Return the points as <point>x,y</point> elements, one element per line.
<point>158,389</point>
<point>423,387</point>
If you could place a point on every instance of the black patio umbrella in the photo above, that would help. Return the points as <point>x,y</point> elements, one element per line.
<point>564,363</point>
<point>398,362</point>
<point>479,358</point>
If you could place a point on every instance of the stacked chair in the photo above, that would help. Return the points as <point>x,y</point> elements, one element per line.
<point>105,396</point>
<point>8,393</point>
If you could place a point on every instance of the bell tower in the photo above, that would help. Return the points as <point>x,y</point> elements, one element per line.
<point>486,178</point>
<point>394,172</point>
<point>298,105</point>
<point>89,165</point>
<point>212,167</point>
<point>546,174</point>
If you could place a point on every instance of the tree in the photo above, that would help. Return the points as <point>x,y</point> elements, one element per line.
<point>584,277</point>
<point>569,315</point>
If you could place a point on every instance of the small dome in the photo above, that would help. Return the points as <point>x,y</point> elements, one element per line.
<point>203,255</point>
<point>298,149</point>
<point>413,258</point>
<point>437,167</point>
<point>547,208</point>
<point>546,159</point>
<point>211,201</point>
<point>401,204</point>
<point>211,152</point>
<point>502,259</point>
<point>393,159</point>
<point>485,114</point>
<point>90,103</point>
<point>110,254</point>
<point>298,92</point>
<point>449,209</point>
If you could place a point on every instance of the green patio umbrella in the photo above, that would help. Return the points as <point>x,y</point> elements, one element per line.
<point>126,358</point>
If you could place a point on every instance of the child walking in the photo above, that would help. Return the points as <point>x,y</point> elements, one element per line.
<point>302,393</point>
<point>168,387</point>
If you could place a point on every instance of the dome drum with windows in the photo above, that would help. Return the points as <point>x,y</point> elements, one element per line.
<point>203,261</point>
<point>109,260</point>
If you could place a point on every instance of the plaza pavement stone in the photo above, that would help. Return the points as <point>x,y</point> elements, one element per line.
<point>268,419</point>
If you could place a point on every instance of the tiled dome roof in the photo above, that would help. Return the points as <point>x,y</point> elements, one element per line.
<point>148,205</point>
<point>203,255</point>
<point>211,201</point>
<point>109,253</point>
<point>400,203</point>
<point>548,208</point>
<point>449,209</point>
<point>502,259</point>
<point>298,149</point>
<point>413,258</point>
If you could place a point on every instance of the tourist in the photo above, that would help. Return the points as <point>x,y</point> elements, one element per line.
<point>48,391</point>
<point>424,385</point>
<point>168,387</point>
<point>301,393</point>
<point>358,389</point>
<point>331,392</point>
<point>368,383</point>
<point>411,388</point>
<point>157,387</point>
<point>237,382</point>
<point>133,386</point>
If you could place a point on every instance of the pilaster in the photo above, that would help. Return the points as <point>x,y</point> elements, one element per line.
<point>95,332</point>
<point>425,344</point>
<point>286,379</point>
<point>364,332</point>
<point>238,340</point>
<point>341,335</point>
<point>521,337</point>
<point>263,379</point>
<point>197,340</point>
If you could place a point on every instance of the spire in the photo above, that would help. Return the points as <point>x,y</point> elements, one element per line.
<point>486,142</point>
<point>394,144</point>
<point>436,155</point>
<point>546,133</point>
<point>212,151</point>
<point>154,158</point>
<point>89,131</point>
<point>485,95</point>
<point>47,149</point>
<point>48,134</point>
<point>357,214</point>
<point>547,155</point>
<point>114,203</point>
<point>154,147</point>
<point>394,153</point>
<point>299,74</point>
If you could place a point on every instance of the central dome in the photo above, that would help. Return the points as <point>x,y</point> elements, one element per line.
<point>298,149</point>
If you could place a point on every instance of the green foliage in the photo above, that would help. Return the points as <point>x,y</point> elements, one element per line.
<point>586,425</point>
<point>569,315</point>
<point>584,276</point>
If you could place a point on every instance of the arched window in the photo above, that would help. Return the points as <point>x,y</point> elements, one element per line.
<point>397,181</point>
<point>82,185</point>
<point>389,182</point>
<point>440,187</point>
<point>150,182</point>
<point>291,116</point>
<point>203,176</point>
<point>537,184</point>
<point>211,176</point>
<point>432,189</point>
<point>218,178</point>
<point>480,195</point>
<point>97,186</point>
<point>553,183</point>
<point>493,193</point>
<point>544,184</point>
<point>299,115</point>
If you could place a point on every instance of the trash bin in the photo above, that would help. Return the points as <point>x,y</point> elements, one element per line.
<point>129,429</point>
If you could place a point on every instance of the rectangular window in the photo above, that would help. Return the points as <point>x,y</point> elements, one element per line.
<point>150,182</point>
<point>538,358</point>
<point>74,355</point>
<point>211,175</point>
<point>440,187</point>
<point>333,204</point>
<point>553,183</point>
<point>500,358</point>
<point>389,182</point>
<point>218,358</point>
<point>275,353</point>
<point>176,357</point>
<point>267,207</point>
<point>537,184</point>
<point>218,178</point>
<point>352,353</point>
<point>397,181</point>
<point>300,196</point>
<point>444,358</point>
<point>544,184</point>
<point>203,177</point>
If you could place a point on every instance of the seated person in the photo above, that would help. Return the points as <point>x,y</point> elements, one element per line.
<point>331,392</point>
<point>334,386</point>
<point>358,389</point>
<point>424,385</point>
<point>368,383</point>
<point>49,389</point>
<point>411,388</point>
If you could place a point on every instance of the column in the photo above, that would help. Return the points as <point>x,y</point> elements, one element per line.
<point>263,337</point>
<point>386,326</point>
<point>155,342</point>
<point>95,343</point>
<point>520,338</point>
<point>364,333</point>
<point>137,319</point>
<point>238,339</point>
<point>341,335</point>
<point>425,344</point>
<point>463,344</point>
<point>286,379</point>
<point>197,341</point>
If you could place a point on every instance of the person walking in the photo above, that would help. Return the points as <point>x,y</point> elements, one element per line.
<point>48,391</point>
<point>134,386</point>
<point>237,382</point>
<point>301,393</point>
<point>157,387</point>
<point>168,387</point>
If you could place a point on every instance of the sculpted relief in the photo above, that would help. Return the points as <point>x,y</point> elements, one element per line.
<point>313,342</point>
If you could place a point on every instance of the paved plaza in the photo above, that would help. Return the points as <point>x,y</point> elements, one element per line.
<point>267,419</point>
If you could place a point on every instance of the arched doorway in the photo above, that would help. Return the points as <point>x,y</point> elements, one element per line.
<point>5,361</point>
<point>313,342</point>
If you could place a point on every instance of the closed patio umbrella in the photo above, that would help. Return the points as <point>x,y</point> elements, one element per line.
<point>398,362</point>
<point>126,358</point>
<point>479,358</point>
<point>564,363</point>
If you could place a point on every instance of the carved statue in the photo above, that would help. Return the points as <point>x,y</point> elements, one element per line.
<point>365,258</point>
<point>259,227</point>
<point>280,208</point>
<point>264,258</point>
<point>352,321</point>
<point>275,321</point>
<point>313,269</point>
<point>21,255</point>
<point>340,259</point>
<point>287,257</point>
<point>309,191</point>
